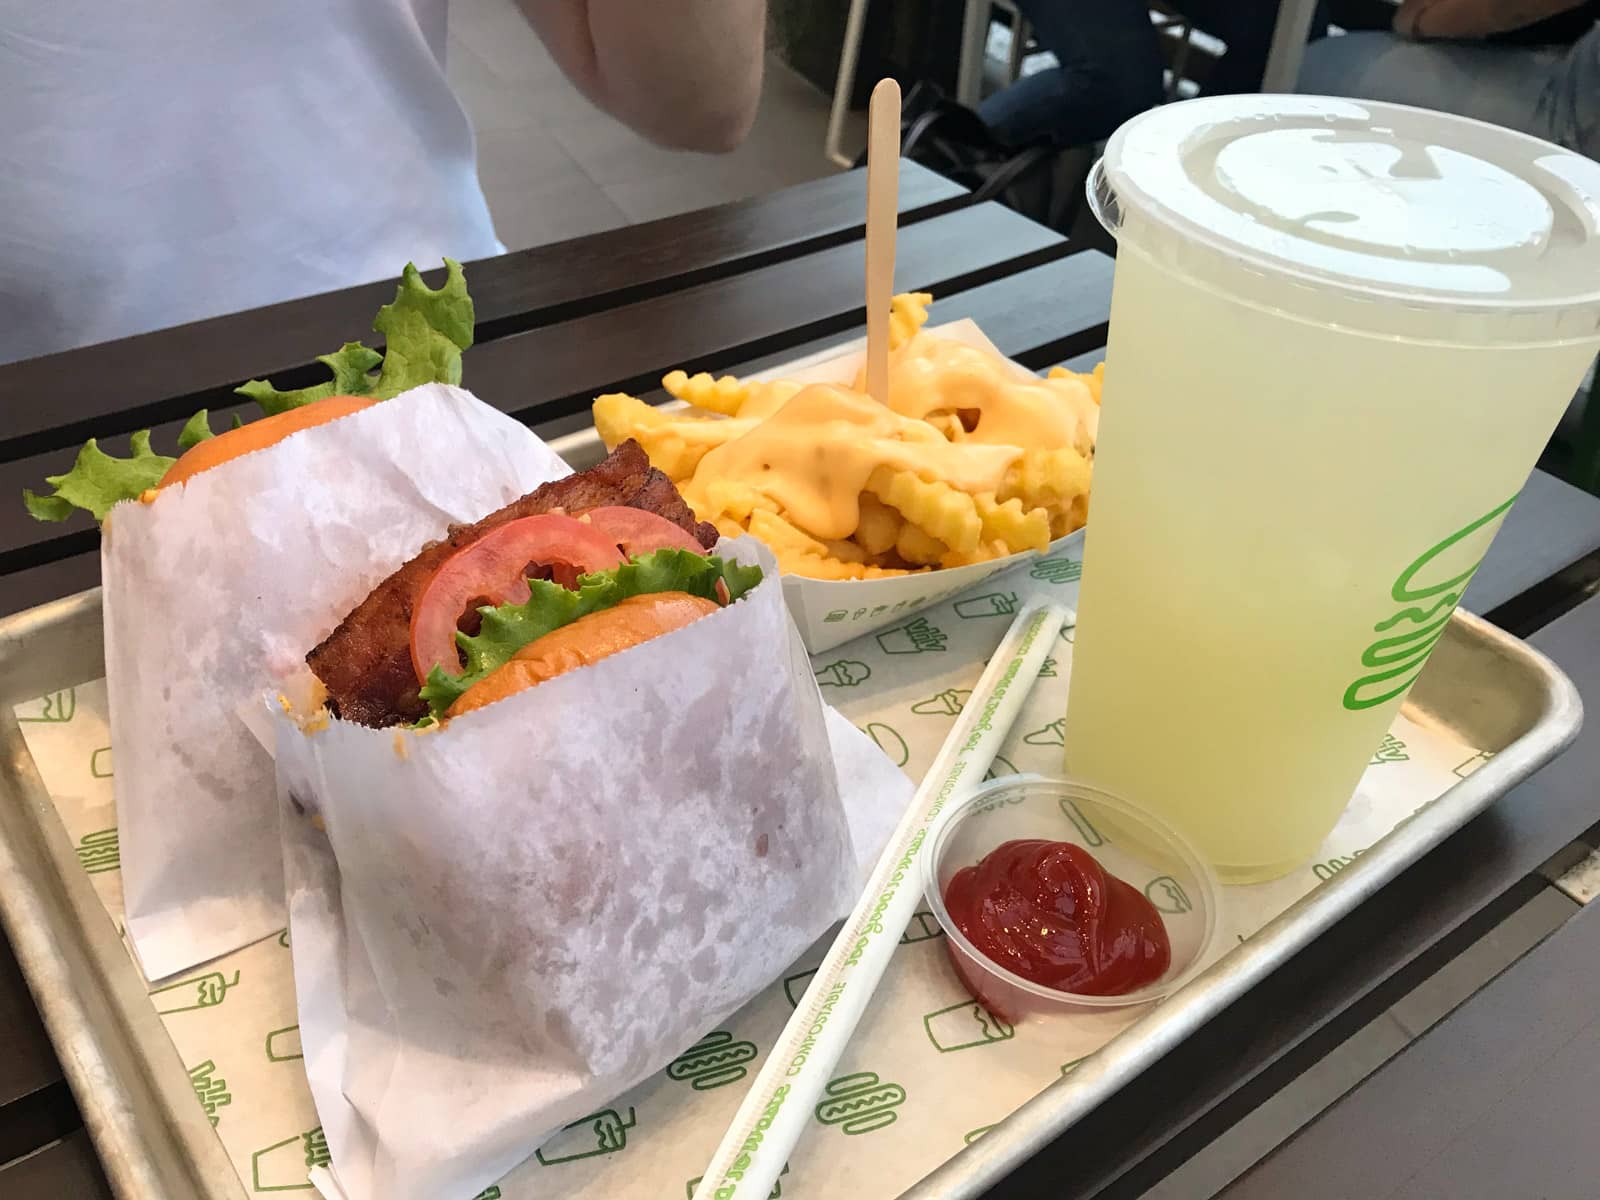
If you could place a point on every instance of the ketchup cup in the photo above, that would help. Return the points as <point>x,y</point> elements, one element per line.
<point>1135,846</point>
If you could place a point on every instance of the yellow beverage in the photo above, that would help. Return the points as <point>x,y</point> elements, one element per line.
<point>1291,492</point>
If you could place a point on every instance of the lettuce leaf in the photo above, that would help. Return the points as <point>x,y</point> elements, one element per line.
<point>509,627</point>
<point>425,330</point>
<point>98,480</point>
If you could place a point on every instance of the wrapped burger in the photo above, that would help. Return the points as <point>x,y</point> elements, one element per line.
<point>567,797</point>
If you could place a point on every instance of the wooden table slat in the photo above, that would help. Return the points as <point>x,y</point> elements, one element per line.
<point>60,399</point>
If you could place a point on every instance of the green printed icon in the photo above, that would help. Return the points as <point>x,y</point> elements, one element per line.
<point>914,637</point>
<point>1167,894</point>
<point>1069,633</point>
<point>283,1045</point>
<point>1071,1065</point>
<point>100,763</point>
<point>604,1132</point>
<point>210,1089</point>
<point>98,851</point>
<point>1391,749</point>
<point>55,709</point>
<point>860,1103</point>
<point>1053,734</point>
<point>989,604</point>
<point>283,939</point>
<point>284,1166</point>
<point>947,703</point>
<point>973,1135</point>
<point>1002,766</point>
<point>924,925</point>
<point>1057,570</point>
<point>889,741</point>
<point>794,986</point>
<point>186,995</point>
<point>964,1025</point>
<point>837,614</point>
<point>1086,830</point>
<point>1325,871</point>
<point>1048,669</point>
<point>847,672</point>
<point>492,1192</point>
<point>713,1061</point>
<point>1463,769</point>
<point>774,1194</point>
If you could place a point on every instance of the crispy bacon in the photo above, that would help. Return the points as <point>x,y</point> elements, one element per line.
<point>366,662</point>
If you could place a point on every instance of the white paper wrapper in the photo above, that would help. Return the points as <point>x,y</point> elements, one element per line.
<point>831,612</point>
<point>511,920</point>
<point>220,587</point>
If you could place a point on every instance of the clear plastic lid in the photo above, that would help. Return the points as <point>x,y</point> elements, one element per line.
<point>1389,217</point>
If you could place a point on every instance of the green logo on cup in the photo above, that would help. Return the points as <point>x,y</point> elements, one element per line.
<point>1395,661</point>
<point>714,1060</point>
<point>860,1103</point>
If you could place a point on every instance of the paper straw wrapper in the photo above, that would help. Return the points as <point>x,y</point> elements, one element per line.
<point>500,925</point>
<point>218,588</point>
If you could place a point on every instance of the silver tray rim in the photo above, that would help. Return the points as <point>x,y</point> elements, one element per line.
<point>156,1144</point>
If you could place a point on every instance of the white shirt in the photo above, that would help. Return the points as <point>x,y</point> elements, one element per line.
<point>162,161</point>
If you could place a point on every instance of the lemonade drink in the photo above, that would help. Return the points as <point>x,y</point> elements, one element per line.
<point>1298,469</point>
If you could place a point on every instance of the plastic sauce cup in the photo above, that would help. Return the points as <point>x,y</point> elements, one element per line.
<point>1135,846</point>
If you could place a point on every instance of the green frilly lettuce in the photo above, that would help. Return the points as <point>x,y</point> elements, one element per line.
<point>509,627</point>
<point>425,330</point>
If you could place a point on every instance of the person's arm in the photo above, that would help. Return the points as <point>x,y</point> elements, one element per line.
<point>1473,18</point>
<point>684,73</point>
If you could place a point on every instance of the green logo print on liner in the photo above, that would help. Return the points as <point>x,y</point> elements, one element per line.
<point>713,1061</point>
<point>1068,1067</point>
<point>1057,570</point>
<point>1053,734</point>
<point>914,637</point>
<point>846,672</point>
<point>964,1025</point>
<point>203,991</point>
<point>947,703</point>
<point>989,604</point>
<point>889,741</point>
<point>99,851</point>
<point>1167,895</point>
<point>283,1166</point>
<point>492,1192</point>
<point>55,709</point>
<point>1462,769</point>
<point>1048,669</point>
<point>1090,835</point>
<point>1393,662</point>
<point>860,1103</point>
<point>100,763</point>
<point>923,926</point>
<point>973,1135</point>
<point>1002,766</point>
<point>794,986</point>
<point>1325,871</point>
<point>603,1132</point>
<point>210,1089</point>
<point>283,939</point>
<point>1391,749</point>
<point>283,1045</point>
<point>775,1194</point>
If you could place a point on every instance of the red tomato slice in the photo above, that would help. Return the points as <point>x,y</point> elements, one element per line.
<point>640,532</point>
<point>494,570</point>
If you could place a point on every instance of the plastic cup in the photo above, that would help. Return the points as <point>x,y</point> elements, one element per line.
<point>1341,334</point>
<point>1135,846</point>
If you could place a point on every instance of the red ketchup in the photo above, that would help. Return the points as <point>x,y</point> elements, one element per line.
<point>1047,911</point>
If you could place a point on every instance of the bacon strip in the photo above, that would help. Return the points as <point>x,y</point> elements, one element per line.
<point>366,662</point>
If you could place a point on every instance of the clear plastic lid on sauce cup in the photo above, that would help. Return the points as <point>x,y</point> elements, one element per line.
<point>1135,846</point>
<point>1377,217</point>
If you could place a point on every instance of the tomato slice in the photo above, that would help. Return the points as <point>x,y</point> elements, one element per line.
<point>494,570</point>
<point>639,532</point>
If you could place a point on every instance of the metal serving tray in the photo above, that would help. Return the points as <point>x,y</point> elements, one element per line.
<point>1485,686</point>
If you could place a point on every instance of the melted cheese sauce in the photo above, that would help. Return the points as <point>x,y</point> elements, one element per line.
<point>814,454</point>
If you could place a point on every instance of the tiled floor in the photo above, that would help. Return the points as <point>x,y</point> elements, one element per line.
<point>554,167</point>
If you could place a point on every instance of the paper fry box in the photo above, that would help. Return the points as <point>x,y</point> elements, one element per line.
<point>216,589</point>
<point>829,612</point>
<point>500,925</point>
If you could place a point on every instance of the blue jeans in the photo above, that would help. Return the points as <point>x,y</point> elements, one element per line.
<point>1110,65</point>
<point>1552,92</point>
